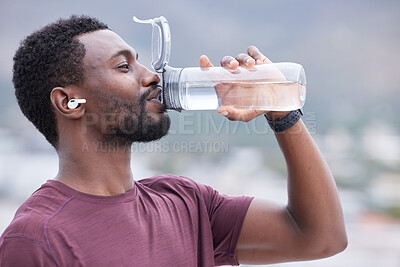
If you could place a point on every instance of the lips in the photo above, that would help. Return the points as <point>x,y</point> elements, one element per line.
<point>155,95</point>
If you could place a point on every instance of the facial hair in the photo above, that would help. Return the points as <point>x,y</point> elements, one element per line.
<point>127,122</point>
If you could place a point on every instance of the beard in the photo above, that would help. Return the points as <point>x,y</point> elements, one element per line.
<point>127,122</point>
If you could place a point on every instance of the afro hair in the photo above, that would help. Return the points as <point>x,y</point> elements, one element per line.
<point>48,58</point>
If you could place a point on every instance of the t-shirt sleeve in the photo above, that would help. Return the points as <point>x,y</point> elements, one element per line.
<point>226,216</point>
<point>24,251</point>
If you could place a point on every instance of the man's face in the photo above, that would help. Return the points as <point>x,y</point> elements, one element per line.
<point>121,93</point>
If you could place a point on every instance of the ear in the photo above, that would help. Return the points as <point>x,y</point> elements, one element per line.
<point>59,98</point>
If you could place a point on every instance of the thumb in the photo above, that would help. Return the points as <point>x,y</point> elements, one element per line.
<point>235,114</point>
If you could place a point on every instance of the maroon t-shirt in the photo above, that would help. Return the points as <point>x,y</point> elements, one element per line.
<point>165,220</point>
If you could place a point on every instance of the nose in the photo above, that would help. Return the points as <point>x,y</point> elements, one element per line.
<point>148,77</point>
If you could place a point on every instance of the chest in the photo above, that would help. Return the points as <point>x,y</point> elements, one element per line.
<point>165,231</point>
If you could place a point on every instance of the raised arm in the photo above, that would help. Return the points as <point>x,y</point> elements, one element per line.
<point>311,225</point>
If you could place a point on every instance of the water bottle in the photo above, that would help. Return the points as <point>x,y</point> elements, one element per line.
<point>274,87</point>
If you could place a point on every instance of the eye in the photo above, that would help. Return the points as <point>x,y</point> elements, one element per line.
<point>125,67</point>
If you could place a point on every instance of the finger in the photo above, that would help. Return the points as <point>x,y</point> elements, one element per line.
<point>205,62</point>
<point>235,114</point>
<point>229,62</point>
<point>230,113</point>
<point>257,55</point>
<point>245,60</point>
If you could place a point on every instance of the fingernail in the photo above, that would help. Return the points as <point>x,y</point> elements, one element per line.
<point>225,113</point>
<point>231,63</point>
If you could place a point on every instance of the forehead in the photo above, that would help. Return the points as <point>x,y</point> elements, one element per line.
<point>101,45</point>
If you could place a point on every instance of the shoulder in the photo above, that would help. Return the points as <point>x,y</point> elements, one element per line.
<point>30,218</point>
<point>22,250</point>
<point>185,188</point>
<point>168,180</point>
<point>174,182</point>
<point>178,185</point>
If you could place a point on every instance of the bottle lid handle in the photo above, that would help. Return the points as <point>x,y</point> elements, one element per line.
<point>161,41</point>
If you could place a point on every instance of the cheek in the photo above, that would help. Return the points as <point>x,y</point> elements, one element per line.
<point>111,90</point>
<point>113,82</point>
<point>127,88</point>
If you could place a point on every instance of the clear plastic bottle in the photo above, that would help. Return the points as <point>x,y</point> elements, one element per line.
<point>278,86</point>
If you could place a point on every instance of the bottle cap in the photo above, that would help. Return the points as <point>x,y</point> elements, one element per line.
<point>161,42</point>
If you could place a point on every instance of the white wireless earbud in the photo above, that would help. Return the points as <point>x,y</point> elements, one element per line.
<point>73,103</point>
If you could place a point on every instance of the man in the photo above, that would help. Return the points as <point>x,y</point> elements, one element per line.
<point>94,214</point>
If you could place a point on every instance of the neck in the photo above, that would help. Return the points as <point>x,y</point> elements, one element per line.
<point>95,167</point>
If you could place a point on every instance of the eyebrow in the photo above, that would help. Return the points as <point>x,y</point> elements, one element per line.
<point>126,53</point>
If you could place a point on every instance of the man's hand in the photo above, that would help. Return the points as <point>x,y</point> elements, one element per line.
<point>253,57</point>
